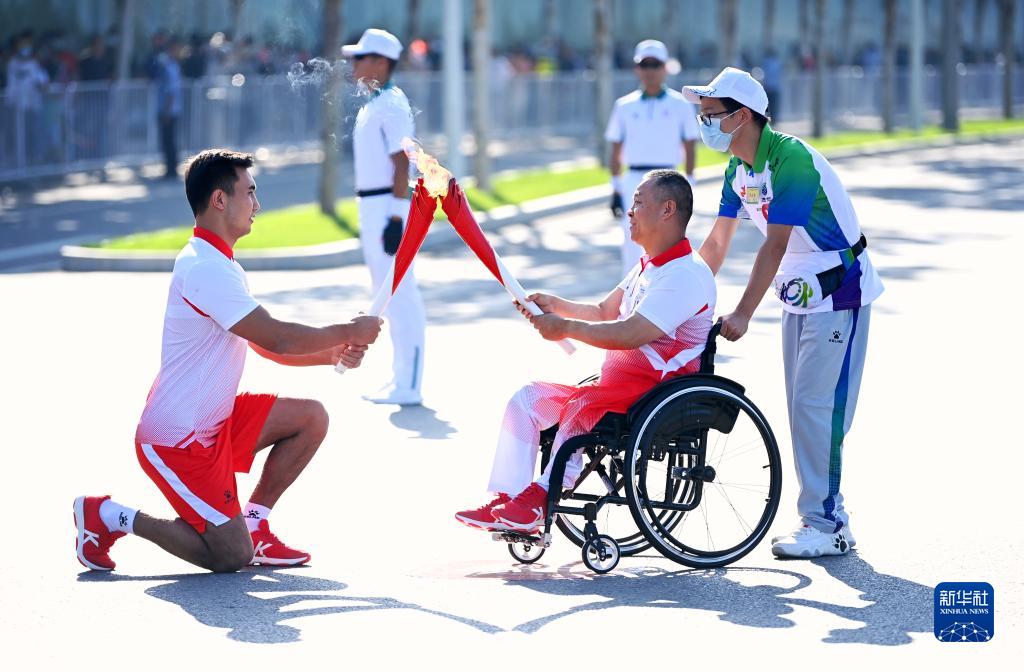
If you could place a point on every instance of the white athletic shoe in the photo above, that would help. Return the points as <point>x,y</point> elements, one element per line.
<point>810,542</point>
<point>846,530</point>
<point>391,394</point>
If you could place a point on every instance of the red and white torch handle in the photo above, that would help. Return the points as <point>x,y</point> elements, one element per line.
<point>377,308</point>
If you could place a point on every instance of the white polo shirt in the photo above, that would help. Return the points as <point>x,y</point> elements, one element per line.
<point>652,128</point>
<point>200,360</point>
<point>381,125</point>
<point>676,291</point>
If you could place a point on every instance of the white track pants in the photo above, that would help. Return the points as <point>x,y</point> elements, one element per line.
<point>406,316</point>
<point>532,409</point>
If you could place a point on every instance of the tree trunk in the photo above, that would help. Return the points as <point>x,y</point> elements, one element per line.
<point>551,28</point>
<point>481,92</point>
<point>603,67</point>
<point>950,59</point>
<point>805,29</point>
<point>454,86</point>
<point>979,28</point>
<point>236,20</point>
<point>818,101</point>
<point>1006,19</point>
<point>126,17</point>
<point>412,30</point>
<point>846,31</point>
<point>768,26</point>
<point>916,64</point>
<point>888,65</point>
<point>330,107</point>
<point>727,29</point>
<point>669,21</point>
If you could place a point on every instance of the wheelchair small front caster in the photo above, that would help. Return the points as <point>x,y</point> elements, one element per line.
<point>526,552</point>
<point>601,554</point>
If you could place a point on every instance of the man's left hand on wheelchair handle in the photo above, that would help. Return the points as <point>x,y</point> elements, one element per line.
<point>734,325</point>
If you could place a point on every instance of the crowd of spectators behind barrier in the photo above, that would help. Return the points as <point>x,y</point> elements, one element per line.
<point>35,68</point>
<point>60,57</point>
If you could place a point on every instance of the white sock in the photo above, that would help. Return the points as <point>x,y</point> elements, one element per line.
<point>253,514</point>
<point>118,517</point>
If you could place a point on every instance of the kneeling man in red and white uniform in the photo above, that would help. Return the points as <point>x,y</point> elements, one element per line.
<point>654,325</point>
<point>196,431</point>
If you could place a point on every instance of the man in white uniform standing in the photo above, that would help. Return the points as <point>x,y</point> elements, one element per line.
<point>382,193</point>
<point>648,130</point>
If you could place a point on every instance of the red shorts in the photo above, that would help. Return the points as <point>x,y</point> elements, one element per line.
<point>199,481</point>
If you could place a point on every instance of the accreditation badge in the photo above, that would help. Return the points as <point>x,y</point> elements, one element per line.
<point>752,195</point>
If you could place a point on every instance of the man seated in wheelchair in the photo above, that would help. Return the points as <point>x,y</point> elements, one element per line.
<point>654,325</point>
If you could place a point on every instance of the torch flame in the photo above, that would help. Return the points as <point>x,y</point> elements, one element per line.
<point>435,177</point>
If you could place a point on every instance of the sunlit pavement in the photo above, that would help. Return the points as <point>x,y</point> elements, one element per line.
<point>930,475</point>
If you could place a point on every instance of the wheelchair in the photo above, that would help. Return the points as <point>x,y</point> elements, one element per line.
<point>692,470</point>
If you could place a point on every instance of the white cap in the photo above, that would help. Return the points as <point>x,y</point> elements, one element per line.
<point>375,41</point>
<point>735,84</point>
<point>651,49</point>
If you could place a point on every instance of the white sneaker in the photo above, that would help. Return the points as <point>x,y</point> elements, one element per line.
<point>810,542</point>
<point>391,394</point>
<point>846,530</point>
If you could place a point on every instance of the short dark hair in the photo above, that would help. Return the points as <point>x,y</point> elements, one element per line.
<point>672,186</point>
<point>731,105</point>
<point>209,170</point>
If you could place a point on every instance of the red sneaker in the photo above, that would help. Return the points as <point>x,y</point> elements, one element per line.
<point>269,550</point>
<point>526,512</point>
<point>94,539</point>
<point>482,518</point>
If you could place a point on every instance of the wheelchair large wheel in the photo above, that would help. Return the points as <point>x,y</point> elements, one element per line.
<point>703,475</point>
<point>614,520</point>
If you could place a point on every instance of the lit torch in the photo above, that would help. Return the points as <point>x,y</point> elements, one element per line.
<point>436,182</point>
<point>460,215</point>
<point>421,214</point>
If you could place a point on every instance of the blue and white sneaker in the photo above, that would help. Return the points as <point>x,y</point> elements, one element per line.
<point>810,542</point>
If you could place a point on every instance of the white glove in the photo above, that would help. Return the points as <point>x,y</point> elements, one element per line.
<point>399,208</point>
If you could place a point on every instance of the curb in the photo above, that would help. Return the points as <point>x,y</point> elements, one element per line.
<point>347,252</point>
<point>330,255</point>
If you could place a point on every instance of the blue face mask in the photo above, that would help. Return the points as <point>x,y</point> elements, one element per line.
<point>714,137</point>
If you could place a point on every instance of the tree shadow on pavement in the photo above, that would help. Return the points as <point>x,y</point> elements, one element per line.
<point>234,601</point>
<point>989,189</point>
<point>755,597</point>
<point>722,590</point>
<point>424,420</point>
<point>896,607</point>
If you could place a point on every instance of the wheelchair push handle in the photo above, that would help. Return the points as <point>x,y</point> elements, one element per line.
<point>716,331</point>
<point>707,358</point>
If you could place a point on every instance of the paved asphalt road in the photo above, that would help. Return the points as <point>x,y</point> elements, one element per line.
<point>931,469</point>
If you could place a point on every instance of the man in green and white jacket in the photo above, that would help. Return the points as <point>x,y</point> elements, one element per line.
<point>815,257</point>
